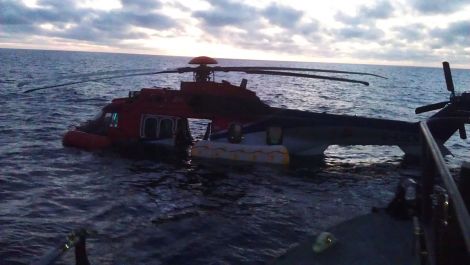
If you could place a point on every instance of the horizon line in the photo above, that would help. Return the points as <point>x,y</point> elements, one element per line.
<point>228,58</point>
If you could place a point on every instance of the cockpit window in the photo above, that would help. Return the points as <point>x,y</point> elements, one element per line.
<point>107,119</point>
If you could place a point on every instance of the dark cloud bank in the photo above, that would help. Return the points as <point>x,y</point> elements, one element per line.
<point>88,25</point>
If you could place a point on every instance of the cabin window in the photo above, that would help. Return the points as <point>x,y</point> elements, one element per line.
<point>166,129</point>
<point>274,135</point>
<point>235,135</point>
<point>150,128</point>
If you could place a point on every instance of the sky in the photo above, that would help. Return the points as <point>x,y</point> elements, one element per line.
<point>396,32</point>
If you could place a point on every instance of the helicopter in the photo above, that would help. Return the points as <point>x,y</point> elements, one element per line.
<point>242,127</point>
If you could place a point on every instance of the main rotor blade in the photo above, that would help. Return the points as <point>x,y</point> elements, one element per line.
<point>430,107</point>
<point>99,79</point>
<point>189,69</point>
<point>244,68</point>
<point>248,68</point>
<point>448,76</point>
<point>24,83</point>
<point>260,72</point>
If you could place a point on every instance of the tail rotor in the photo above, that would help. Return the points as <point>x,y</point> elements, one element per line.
<point>450,88</point>
<point>461,102</point>
<point>448,77</point>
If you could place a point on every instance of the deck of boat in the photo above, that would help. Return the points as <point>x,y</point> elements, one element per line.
<point>375,238</point>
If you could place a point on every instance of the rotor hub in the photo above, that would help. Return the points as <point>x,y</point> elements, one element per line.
<point>203,72</point>
<point>203,60</point>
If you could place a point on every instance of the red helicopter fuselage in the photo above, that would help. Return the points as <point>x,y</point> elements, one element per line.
<point>123,119</point>
<point>242,126</point>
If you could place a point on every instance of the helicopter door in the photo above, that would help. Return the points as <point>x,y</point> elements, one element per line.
<point>156,127</point>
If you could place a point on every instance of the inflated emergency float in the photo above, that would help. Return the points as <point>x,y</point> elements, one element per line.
<point>88,141</point>
<point>272,154</point>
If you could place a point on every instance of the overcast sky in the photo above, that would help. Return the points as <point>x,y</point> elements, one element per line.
<point>403,32</point>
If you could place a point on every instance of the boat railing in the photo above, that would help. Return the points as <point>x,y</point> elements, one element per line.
<point>444,222</point>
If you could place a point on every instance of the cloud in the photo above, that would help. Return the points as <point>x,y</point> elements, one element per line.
<point>278,28</point>
<point>423,55</point>
<point>454,36</point>
<point>361,26</point>
<point>229,13</point>
<point>283,16</point>
<point>438,6</point>
<point>366,14</point>
<point>398,53</point>
<point>248,27</point>
<point>367,33</point>
<point>416,32</point>
<point>98,36</point>
<point>72,22</point>
<point>457,33</point>
<point>310,29</point>
<point>124,19</point>
<point>16,13</point>
<point>226,12</point>
<point>141,5</point>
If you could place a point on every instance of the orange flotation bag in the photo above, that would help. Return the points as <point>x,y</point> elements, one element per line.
<point>85,140</point>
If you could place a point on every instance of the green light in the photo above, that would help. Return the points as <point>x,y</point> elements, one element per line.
<point>114,120</point>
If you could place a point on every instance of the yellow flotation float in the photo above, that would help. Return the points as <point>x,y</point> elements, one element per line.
<point>272,154</point>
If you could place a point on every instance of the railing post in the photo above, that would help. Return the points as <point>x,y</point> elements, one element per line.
<point>444,212</point>
<point>77,240</point>
<point>440,226</point>
<point>81,257</point>
<point>427,183</point>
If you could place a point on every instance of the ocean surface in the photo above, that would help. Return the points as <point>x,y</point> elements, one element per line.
<point>160,210</point>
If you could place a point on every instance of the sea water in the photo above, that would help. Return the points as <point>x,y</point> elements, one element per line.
<point>166,211</point>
